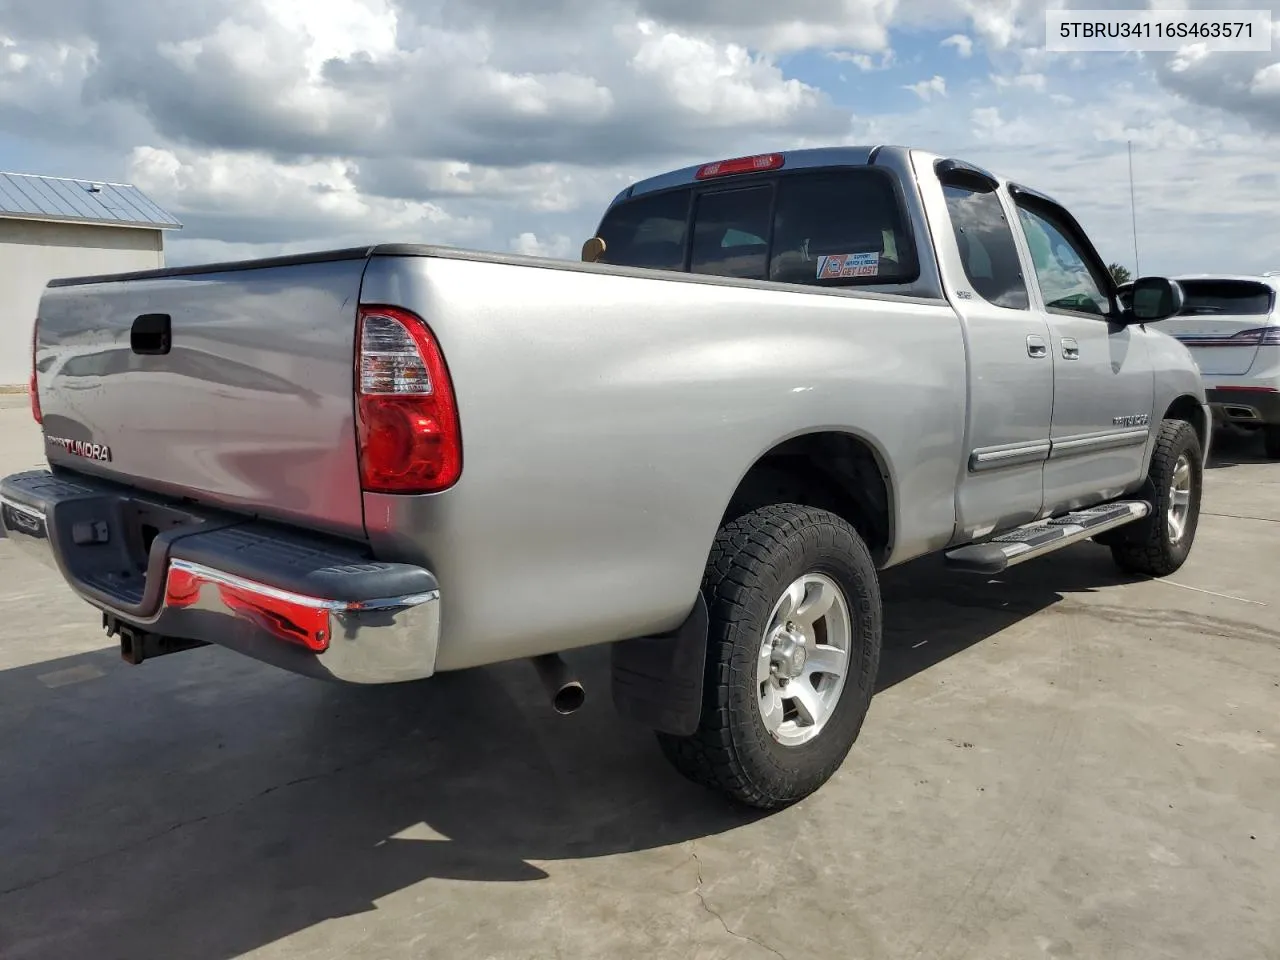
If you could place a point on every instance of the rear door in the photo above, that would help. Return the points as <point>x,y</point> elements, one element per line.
<point>1103,379</point>
<point>1221,322</point>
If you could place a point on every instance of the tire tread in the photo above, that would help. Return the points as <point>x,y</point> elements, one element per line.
<point>1148,551</point>
<point>710,757</point>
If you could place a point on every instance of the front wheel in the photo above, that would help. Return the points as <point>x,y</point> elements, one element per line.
<point>1159,544</point>
<point>793,649</point>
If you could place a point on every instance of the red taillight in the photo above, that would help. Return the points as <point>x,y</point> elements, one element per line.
<point>1259,336</point>
<point>727,168</point>
<point>407,420</point>
<point>33,388</point>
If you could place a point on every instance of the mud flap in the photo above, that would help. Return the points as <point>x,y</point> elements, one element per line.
<point>657,681</point>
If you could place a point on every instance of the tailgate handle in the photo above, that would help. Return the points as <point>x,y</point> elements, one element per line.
<point>151,334</point>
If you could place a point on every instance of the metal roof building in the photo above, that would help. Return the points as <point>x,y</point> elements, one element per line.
<point>28,197</point>
<point>54,227</point>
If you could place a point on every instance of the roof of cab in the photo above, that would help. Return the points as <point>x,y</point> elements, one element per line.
<point>852,155</point>
<point>795,159</point>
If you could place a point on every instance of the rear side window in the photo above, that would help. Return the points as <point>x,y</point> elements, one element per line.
<point>987,248</point>
<point>1238,298</point>
<point>825,228</point>
<point>648,231</point>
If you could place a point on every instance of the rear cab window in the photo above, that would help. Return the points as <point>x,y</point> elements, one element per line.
<point>832,227</point>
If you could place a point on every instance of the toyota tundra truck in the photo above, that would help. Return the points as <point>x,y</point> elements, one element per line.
<point>767,379</point>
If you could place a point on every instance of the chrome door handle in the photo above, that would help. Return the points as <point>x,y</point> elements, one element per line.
<point>1070,349</point>
<point>1036,347</point>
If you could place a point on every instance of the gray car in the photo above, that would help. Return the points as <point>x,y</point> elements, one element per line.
<point>779,375</point>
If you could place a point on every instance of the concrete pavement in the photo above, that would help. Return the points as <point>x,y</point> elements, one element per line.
<point>1062,764</point>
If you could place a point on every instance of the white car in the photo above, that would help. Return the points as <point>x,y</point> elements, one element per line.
<point>1231,325</point>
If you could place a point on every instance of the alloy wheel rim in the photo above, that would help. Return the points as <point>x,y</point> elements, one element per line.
<point>1179,511</point>
<point>803,661</point>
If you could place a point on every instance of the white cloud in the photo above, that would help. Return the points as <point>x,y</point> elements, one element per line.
<point>1266,82</point>
<point>1026,81</point>
<point>277,125</point>
<point>928,89</point>
<point>1186,221</point>
<point>558,247</point>
<point>287,199</point>
<point>962,43</point>
<point>864,61</point>
<point>782,27</point>
<point>723,86</point>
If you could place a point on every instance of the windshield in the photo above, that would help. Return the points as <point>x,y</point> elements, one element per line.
<point>823,228</point>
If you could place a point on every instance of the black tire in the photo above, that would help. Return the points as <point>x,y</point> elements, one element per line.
<point>1271,441</point>
<point>753,561</point>
<point>1149,546</point>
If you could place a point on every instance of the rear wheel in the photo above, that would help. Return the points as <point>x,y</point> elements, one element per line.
<point>793,649</point>
<point>1271,441</point>
<point>1159,544</point>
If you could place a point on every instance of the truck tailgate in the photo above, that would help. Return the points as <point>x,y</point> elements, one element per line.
<point>248,406</point>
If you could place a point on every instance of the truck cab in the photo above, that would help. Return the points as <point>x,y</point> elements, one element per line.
<point>1062,379</point>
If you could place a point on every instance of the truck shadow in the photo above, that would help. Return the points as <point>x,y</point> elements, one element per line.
<point>203,806</point>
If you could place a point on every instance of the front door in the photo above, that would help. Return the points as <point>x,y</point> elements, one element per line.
<point>1103,379</point>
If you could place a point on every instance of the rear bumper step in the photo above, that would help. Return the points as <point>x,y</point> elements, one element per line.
<point>1044,536</point>
<point>315,605</point>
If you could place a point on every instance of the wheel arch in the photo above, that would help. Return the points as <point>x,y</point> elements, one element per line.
<point>659,680</point>
<point>830,469</point>
<point>1190,409</point>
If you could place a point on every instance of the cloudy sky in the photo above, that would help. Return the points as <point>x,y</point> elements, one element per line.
<point>274,126</point>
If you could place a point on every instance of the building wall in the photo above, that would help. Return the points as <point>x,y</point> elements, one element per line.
<point>34,252</point>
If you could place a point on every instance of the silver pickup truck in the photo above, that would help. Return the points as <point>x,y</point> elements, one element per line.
<point>770,378</point>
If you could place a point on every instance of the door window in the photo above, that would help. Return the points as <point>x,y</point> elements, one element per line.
<point>1062,269</point>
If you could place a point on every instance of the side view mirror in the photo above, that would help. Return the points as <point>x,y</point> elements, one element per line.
<point>593,250</point>
<point>1152,299</point>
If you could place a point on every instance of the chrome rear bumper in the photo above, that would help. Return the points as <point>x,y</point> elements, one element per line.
<point>315,605</point>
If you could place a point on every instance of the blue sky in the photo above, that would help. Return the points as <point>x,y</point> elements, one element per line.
<point>270,126</point>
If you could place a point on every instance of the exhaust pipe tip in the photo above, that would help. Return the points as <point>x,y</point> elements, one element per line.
<point>569,698</point>
<point>563,688</point>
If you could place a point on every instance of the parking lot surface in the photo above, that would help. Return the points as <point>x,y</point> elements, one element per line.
<point>1065,763</point>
